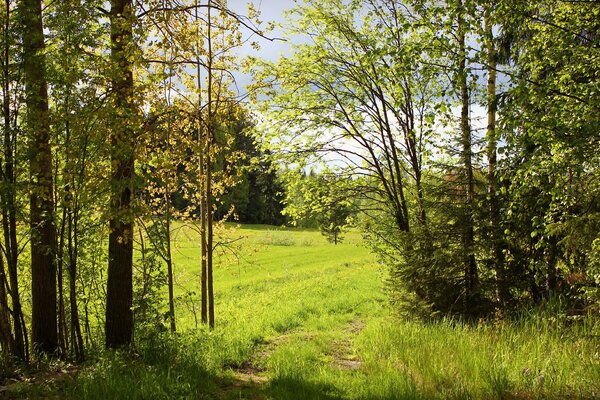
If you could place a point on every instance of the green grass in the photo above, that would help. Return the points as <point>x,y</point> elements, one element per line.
<point>299,318</point>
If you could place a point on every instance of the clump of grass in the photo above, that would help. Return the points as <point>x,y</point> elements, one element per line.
<point>491,360</point>
<point>164,369</point>
<point>307,241</point>
<point>276,238</point>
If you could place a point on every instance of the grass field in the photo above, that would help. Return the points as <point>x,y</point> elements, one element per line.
<point>299,318</point>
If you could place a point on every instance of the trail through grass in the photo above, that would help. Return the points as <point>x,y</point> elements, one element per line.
<point>299,318</point>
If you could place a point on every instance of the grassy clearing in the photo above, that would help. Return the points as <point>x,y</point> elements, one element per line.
<point>299,318</point>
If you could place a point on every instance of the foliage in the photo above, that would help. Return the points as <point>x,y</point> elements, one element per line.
<point>550,125</point>
<point>322,198</point>
<point>461,230</point>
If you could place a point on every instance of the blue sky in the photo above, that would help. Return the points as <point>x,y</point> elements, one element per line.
<point>271,10</point>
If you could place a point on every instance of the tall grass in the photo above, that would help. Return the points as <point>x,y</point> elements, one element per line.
<point>500,359</point>
<point>166,369</point>
<point>311,318</point>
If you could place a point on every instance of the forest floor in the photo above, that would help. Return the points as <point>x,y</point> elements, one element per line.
<point>300,318</point>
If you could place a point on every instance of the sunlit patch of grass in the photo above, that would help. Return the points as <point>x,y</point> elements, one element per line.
<point>311,318</point>
<point>451,359</point>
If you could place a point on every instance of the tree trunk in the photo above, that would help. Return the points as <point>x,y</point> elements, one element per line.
<point>494,207</point>
<point>62,323</point>
<point>9,215</point>
<point>209,244</point>
<point>204,256</point>
<point>73,249</point>
<point>7,341</point>
<point>168,255</point>
<point>119,289</point>
<point>201,181</point>
<point>9,226</point>
<point>209,203</point>
<point>470,266</point>
<point>43,232</point>
<point>168,212</point>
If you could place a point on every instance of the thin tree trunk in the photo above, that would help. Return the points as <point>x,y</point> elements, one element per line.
<point>203,244</point>
<point>169,258</point>
<point>10,241</point>
<point>119,288</point>
<point>72,247</point>
<point>43,232</point>
<point>209,205</point>
<point>209,247</point>
<point>11,343</point>
<point>62,323</point>
<point>201,183</point>
<point>9,215</point>
<point>470,266</point>
<point>7,340</point>
<point>494,209</point>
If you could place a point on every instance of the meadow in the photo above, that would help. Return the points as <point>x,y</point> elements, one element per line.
<point>300,318</point>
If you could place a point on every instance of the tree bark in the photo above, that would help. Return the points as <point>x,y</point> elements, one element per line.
<point>494,207</point>
<point>209,203</point>
<point>7,341</point>
<point>168,215</point>
<point>200,137</point>
<point>43,232</point>
<point>73,249</point>
<point>63,341</point>
<point>119,289</point>
<point>470,266</point>
<point>9,207</point>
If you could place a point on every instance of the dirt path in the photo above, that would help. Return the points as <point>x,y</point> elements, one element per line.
<point>251,380</point>
<point>58,376</point>
<point>343,353</point>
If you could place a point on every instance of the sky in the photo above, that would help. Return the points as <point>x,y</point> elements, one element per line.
<point>271,11</point>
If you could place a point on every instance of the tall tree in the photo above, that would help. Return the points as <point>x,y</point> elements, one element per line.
<point>71,26</point>
<point>497,262</point>
<point>11,104</point>
<point>7,340</point>
<point>470,265</point>
<point>550,118</point>
<point>119,289</point>
<point>43,232</point>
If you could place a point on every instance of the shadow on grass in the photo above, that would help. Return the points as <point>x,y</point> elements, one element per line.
<point>293,388</point>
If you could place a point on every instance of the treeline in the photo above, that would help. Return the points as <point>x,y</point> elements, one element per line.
<point>118,118</point>
<point>469,131</point>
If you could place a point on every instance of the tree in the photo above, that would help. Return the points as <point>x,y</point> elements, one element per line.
<point>79,158</point>
<point>470,264</point>
<point>491,60</point>
<point>257,195</point>
<point>366,93</point>
<point>333,219</point>
<point>203,35</point>
<point>322,197</point>
<point>351,95</point>
<point>550,126</point>
<point>12,99</point>
<point>119,289</point>
<point>43,232</point>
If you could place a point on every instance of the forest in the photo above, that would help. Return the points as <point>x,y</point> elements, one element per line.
<point>404,203</point>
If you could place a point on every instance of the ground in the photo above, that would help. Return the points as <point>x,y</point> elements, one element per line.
<point>300,318</point>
